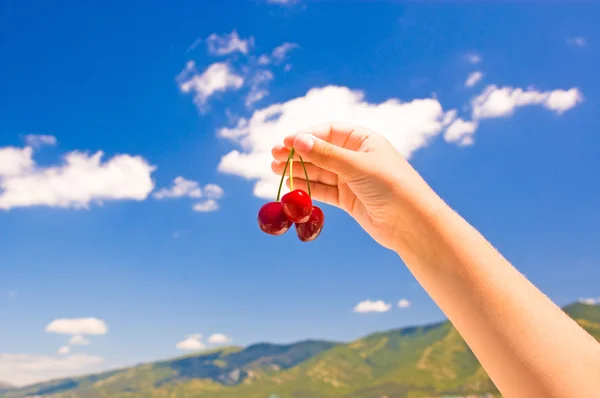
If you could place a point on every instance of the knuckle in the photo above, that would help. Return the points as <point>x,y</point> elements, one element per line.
<point>326,152</point>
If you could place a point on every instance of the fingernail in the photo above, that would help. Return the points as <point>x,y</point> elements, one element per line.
<point>304,143</point>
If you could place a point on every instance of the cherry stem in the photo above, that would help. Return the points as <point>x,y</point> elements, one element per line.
<point>292,171</point>
<point>305,175</point>
<point>290,156</point>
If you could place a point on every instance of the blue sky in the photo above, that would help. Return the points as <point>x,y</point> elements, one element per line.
<point>111,251</point>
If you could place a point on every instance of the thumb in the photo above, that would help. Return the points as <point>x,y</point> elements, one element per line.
<point>325,155</point>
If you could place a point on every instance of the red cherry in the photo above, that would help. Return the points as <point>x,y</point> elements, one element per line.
<point>297,205</point>
<point>272,220</point>
<point>309,230</point>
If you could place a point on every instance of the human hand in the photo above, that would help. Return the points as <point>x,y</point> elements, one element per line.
<point>358,171</point>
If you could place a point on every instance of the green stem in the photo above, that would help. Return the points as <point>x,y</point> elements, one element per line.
<point>290,156</point>
<point>306,175</point>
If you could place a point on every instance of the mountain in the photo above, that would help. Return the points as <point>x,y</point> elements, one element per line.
<point>426,361</point>
<point>5,386</point>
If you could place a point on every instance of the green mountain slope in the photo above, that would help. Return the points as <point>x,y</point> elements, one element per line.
<point>429,361</point>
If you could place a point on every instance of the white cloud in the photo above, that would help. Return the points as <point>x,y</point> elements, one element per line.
<point>264,60</point>
<point>78,339</point>
<point>590,301</point>
<point>77,326</point>
<point>15,161</point>
<point>461,132</point>
<point>577,41</point>
<point>213,191</point>
<point>21,369</point>
<point>195,44</point>
<point>80,180</point>
<point>228,43</point>
<point>473,58</point>
<point>255,95</point>
<point>372,306</point>
<point>473,78</point>
<point>192,343</point>
<point>563,100</point>
<point>502,101</point>
<point>219,338</point>
<point>218,77</point>
<point>403,303</point>
<point>281,51</point>
<point>408,125</point>
<point>206,206</point>
<point>282,1</point>
<point>449,117</point>
<point>261,78</point>
<point>181,188</point>
<point>64,350</point>
<point>35,140</point>
<point>187,188</point>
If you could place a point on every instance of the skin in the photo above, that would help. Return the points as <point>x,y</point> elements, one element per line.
<point>528,346</point>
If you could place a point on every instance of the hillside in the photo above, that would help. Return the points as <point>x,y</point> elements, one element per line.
<point>428,361</point>
<point>5,386</point>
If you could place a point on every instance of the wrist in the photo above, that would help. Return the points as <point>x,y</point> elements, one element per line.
<point>419,211</point>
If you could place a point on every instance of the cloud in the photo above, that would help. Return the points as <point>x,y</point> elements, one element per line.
<point>219,338</point>
<point>80,180</point>
<point>372,306</point>
<point>218,77</point>
<point>590,301</point>
<point>408,125</point>
<point>228,43</point>
<point>78,339</point>
<point>213,191</point>
<point>35,141</point>
<point>264,60</point>
<point>22,369</point>
<point>403,303</point>
<point>473,58</point>
<point>181,188</point>
<point>278,54</point>
<point>261,78</point>
<point>281,51</point>
<point>192,343</point>
<point>502,101</point>
<point>195,44</point>
<point>77,326</point>
<point>461,132</point>
<point>282,1</point>
<point>473,78</point>
<point>206,206</point>
<point>577,41</point>
<point>191,189</point>
<point>15,161</point>
<point>64,350</point>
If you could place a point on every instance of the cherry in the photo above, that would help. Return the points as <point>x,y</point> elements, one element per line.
<point>297,205</point>
<point>309,230</point>
<point>272,220</point>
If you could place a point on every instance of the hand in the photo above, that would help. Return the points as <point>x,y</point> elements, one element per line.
<point>358,171</point>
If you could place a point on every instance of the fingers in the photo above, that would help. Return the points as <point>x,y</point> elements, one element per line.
<point>325,155</point>
<point>339,134</point>
<point>321,192</point>
<point>315,173</point>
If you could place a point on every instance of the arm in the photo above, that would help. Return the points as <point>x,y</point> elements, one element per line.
<point>527,345</point>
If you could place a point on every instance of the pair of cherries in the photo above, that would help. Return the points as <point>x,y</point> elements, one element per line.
<point>295,207</point>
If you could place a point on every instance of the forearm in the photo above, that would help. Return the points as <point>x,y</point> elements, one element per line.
<point>540,351</point>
